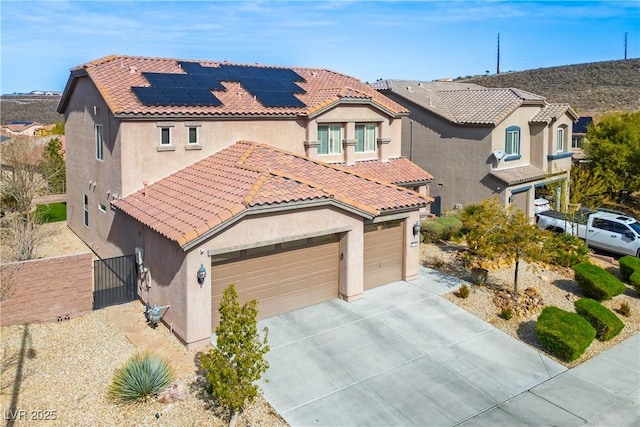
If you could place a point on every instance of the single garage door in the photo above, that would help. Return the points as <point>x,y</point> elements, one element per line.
<point>282,277</point>
<point>383,253</point>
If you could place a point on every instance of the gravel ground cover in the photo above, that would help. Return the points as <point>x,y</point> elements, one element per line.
<point>555,286</point>
<point>58,374</point>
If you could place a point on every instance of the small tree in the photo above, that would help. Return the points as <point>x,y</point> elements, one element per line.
<point>493,230</point>
<point>53,167</point>
<point>238,361</point>
<point>20,177</point>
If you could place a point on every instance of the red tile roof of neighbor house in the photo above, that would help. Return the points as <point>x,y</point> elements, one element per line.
<point>114,76</point>
<point>470,104</point>
<point>396,171</point>
<point>195,200</point>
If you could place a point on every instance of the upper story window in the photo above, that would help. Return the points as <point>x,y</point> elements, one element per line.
<point>193,135</point>
<point>165,136</point>
<point>366,137</point>
<point>330,139</point>
<point>512,141</point>
<point>560,139</point>
<point>576,142</point>
<point>99,142</point>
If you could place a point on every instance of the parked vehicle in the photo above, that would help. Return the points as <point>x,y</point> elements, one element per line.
<point>541,205</point>
<point>609,231</point>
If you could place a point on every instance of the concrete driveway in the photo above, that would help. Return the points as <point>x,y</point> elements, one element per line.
<point>404,356</point>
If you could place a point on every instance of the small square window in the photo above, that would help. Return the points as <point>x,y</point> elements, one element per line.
<point>102,207</point>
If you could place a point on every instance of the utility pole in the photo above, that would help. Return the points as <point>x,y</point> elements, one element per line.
<point>625,46</point>
<point>498,62</point>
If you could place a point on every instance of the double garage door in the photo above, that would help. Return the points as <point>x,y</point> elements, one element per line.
<point>292,275</point>
<point>282,277</point>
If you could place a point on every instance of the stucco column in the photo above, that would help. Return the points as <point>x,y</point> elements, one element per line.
<point>412,247</point>
<point>352,264</point>
<point>198,300</point>
<point>383,149</point>
<point>311,149</point>
<point>349,148</point>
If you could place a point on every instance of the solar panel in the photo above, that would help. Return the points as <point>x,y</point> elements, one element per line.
<point>272,87</point>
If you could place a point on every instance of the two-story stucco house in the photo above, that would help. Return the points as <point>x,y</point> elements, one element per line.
<point>287,182</point>
<point>479,142</point>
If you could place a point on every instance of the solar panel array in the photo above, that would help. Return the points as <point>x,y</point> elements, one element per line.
<point>273,87</point>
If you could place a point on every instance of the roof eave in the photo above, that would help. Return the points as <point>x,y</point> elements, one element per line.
<point>68,89</point>
<point>360,101</point>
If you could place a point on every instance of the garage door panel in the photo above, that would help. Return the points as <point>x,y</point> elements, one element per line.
<point>383,256</point>
<point>281,281</point>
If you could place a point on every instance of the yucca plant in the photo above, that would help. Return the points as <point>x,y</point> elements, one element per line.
<point>143,376</point>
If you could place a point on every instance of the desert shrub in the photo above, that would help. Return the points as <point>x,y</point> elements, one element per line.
<point>630,270</point>
<point>566,335</point>
<point>506,313</point>
<point>629,265</point>
<point>606,323</point>
<point>625,309</point>
<point>596,282</point>
<point>441,228</point>
<point>564,250</point>
<point>463,292</point>
<point>143,376</point>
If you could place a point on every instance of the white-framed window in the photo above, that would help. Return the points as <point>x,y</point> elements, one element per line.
<point>366,137</point>
<point>560,139</point>
<point>192,137</point>
<point>165,136</point>
<point>330,139</point>
<point>102,207</point>
<point>576,142</point>
<point>99,142</point>
<point>512,141</point>
<point>86,210</point>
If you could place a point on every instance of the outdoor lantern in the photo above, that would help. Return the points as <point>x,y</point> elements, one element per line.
<point>202,273</point>
<point>416,229</point>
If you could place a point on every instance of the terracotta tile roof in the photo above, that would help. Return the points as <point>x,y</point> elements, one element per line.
<point>470,104</point>
<point>518,175</point>
<point>396,171</point>
<point>200,197</point>
<point>552,112</point>
<point>114,76</point>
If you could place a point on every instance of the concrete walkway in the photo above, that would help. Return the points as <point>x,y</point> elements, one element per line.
<point>130,320</point>
<point>404,356</point>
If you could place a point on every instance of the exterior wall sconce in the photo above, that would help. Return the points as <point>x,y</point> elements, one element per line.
<point>416,229</point>
<point>202,274</point>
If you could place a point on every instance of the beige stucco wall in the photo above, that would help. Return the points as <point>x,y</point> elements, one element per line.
<point>147,161</point>
<point>457,157</point>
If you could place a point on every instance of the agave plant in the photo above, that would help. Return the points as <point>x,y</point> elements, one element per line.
<point>143,376</point>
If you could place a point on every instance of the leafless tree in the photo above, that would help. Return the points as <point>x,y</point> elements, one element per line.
<point>20,177</point>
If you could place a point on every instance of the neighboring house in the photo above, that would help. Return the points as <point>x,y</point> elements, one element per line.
<point>580,137</point>
<point>22,127</point>
<point>479,142</point>
<point>279,180</point>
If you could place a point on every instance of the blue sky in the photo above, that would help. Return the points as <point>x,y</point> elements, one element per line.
<point>418,40</point>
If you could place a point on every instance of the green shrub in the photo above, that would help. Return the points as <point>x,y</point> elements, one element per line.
<point>441,228</point>
<point>607,324</point>
<point>596,282</point>
<point>564,250</point>
<point>143,376</point>
<point>566,335</point>
<point>630,270</point>
<point>629,265</point>
<point>506,313</point>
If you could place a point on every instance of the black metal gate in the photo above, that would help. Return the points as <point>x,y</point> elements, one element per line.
<point>115,281</point>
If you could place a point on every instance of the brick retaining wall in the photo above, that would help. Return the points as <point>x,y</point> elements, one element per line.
<point>48,289</point>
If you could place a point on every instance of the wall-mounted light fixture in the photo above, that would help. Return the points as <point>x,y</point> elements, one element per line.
<point>202,274</point>
<point>416,229</point>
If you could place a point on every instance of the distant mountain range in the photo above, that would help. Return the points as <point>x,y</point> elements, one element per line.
<point>592,89</point>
